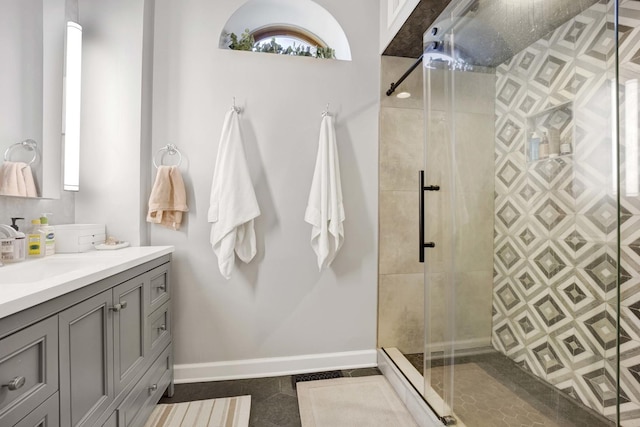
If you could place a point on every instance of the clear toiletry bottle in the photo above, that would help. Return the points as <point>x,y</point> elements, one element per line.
<point>544,147</point>
<point>35,240</point>
<point>534,147</point>
<point>49,235</point>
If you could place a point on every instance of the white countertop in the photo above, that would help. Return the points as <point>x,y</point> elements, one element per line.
<point>34,281</point>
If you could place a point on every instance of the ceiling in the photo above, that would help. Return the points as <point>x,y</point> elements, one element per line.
<point>489,31</point>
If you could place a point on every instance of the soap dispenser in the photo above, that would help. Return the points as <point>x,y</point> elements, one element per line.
<point>13,223</point>
<point>35,240</point>
<point>49,235</point>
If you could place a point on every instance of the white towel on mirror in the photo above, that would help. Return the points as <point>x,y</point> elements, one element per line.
<point>16,179</point>
<point>233,204</point>
<point>325,210</point>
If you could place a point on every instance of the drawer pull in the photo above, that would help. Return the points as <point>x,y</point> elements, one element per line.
<point>119,306</point>
<point>15,383</point>
<point>153,388</point>
<point>162,287</point>
<point>162,328</point>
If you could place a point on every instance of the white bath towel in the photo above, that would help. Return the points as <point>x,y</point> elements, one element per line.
<point>168,199</point>
<point>325,211</point>
<point>233,204</point>
<point>16,179</point>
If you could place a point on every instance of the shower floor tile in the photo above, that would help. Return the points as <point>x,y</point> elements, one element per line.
<point>491,391</point>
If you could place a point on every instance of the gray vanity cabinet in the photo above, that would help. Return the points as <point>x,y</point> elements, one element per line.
<point>98,356</point>
<point>86,360</point>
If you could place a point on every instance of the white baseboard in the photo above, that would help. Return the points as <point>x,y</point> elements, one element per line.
<point>273,367</point>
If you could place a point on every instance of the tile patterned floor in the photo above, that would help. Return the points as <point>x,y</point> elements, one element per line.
<point>495,382</point>
<point>274,402</point>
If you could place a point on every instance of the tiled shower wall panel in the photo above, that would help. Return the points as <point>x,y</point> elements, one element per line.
<point>555,284</point>
<point>400,274</point>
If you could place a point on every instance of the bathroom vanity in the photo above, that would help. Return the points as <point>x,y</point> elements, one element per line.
<point>85,339</point>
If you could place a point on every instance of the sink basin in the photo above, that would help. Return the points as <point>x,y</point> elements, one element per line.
<point>36,270</point>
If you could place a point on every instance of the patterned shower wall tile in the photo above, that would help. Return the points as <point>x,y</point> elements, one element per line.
<point>598,387</point>
<point>574,294</point>
<point>549,312</point>
<point>529,328</point>
<point>510,132</point>
<point>505,338</point>
<point>630,371</point>
<point>551,174</point>
<point>546,362</point>
<point>509,255</point>
<point>597,228</point>
<point>509,297</point>
<point>574,349</point>
<point>509,92</point>
<point>600,273</point>
<point>553,69</point>
<point>509,173</point>
<point>630,324</point>
<point>599,327</point>
<point>630,232</point>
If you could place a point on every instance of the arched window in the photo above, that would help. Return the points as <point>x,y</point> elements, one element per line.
<point>292,27</point>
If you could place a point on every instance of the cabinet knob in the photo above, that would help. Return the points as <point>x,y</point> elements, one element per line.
<point>162,328</point>
<point>15,383</point>
<point>120,306</point>
<point>162,287</point>
<point>152,388</point>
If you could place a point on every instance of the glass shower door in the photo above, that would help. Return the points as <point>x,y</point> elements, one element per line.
<point>522,281</point>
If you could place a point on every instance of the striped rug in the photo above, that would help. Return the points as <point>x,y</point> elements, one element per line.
<point>225,412</point>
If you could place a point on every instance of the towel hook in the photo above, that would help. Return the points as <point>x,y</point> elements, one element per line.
<point>234,108</point>
<point>325,113</point>
<point>27,144</point>
<point>172,150</point>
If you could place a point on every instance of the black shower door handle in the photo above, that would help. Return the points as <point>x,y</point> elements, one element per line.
<point>421,191</point>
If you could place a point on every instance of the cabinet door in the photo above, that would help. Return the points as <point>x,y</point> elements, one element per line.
<point>45,415</point>
<point>129,325</point>
<point>28,369</point>
<point>86,360</point>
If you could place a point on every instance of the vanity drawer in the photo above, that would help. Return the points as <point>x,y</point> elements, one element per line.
<point>159,291</point>
<point>159,329</point>
<point>138,405</point>
<point>46,415</point>
<point>28,370</point>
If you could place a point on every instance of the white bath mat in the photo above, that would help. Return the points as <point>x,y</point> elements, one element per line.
<point>225,412</point>
<point>350,402</point>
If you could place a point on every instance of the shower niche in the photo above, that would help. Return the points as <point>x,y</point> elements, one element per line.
<point>550,133</point>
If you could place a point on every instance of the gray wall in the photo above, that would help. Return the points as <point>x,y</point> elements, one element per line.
<point>279,305</point>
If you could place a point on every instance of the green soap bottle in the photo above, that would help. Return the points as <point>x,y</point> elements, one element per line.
<point>35,240</point>
<point>49,235</point>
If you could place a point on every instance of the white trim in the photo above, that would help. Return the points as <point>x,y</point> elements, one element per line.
<point>273,367</point>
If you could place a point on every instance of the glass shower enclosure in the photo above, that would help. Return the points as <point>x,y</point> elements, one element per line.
<point>531,214</point>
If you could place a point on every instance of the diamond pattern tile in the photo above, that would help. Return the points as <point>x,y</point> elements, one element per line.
<point>557,219</point>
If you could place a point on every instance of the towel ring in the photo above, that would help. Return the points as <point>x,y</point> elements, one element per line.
<point>172,150</point>
<point>27,144</point>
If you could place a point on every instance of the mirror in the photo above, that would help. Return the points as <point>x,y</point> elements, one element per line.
<point>31,76</point>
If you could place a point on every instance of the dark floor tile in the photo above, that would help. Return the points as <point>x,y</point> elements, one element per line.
<point>279,409</point>
<point>274,401</point>
<point>361,372</point>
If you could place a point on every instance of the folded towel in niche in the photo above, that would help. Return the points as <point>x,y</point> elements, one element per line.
<point>16,179</point>
<point>168,198</point>
<point>233,204</point>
